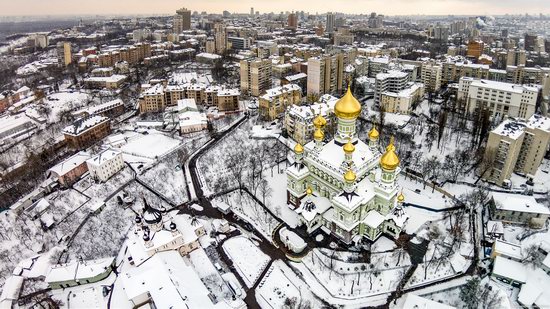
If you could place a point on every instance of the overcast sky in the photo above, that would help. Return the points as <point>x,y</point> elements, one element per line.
<point>388,7</point>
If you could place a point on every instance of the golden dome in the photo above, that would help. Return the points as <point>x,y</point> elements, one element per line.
<point>347,107</point>
<point>319,121</point>
<point>309,191</point>
<point>348,147</point>
<point>373,133</point>
<point>401,197</point>
<point>349,176</point>
<point>298,148</point>
<point>318,135</point>
<point>389,160</point>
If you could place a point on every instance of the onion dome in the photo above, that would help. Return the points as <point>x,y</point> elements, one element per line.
<point>349,176</point>
<point>150,214</point>
<point>298,148</point>
<point>349,147</point>
<point>146,236</point>
<point>401,197</point>
<point>318,135</point>
<point>319,121</point>
<point>389,160</point>
<point>373,133</point>
<point>172,226</point>
<point>138,219</point>
<point>309,191</point>
<point>347,107</point>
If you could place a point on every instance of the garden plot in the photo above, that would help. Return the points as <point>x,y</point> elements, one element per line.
<point>248,259</point>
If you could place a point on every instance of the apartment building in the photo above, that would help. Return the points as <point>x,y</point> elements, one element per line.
<point>64,54</point>
<point>255,76</point>
<point>86,131</point>
<point>430,76</point>
<point>220,38</point>
<point>522,75</point>
<point>516,146</point>
<point>516,57</point>
<point>182,20</point>
<point>325,74</point>
<point>391,81</point>
<point>299,118</point>
<point>453,71</point>
<point>500,99</point>
<point>276,100</point>
<point>104,165</point>
<point>159,96</point>
<point>402,101</point>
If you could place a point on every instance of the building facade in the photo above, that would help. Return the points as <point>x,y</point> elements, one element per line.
<point>276,100</point>
<point>104,165</point>
<point>516,146</point>
<point>87,131</point>
<point>255,76</point>
<point>498,98</point>
<point>325,74</point>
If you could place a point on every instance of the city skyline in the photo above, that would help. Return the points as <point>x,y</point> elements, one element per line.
<point>397,7</point>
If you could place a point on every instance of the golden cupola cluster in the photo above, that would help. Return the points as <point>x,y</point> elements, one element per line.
<point>347,107</point>
<point>373,133</point>
<point>349,148</point>
<point>318,135</point>
<point>350,176</point>
<point>319,121</point>
<point>389,160</point>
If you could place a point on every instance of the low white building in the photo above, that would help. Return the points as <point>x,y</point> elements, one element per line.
<point>106,164</point>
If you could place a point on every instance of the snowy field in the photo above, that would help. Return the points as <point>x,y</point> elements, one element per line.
<point>151,146</point>
<point>280,286</point>
<point>249,261</point>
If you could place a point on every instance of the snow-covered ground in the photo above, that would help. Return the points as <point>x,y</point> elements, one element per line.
<point>249,261</point>
<point>353,280</point>
<point>151,146</point>
<point>279,285</point>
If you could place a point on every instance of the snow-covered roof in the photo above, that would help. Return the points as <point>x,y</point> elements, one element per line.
<point>510,269</point>
<point>374,219</point>
<point>103,157</point>
<point>209,56</point>
<point>78,270</point>
<point>295,77</point>
<point>536,291</point>
<point>115,78</point>
<point>510,128</point>
<point>412,301</point>
<point>539,122</point>
<point>507,249</point>
<point>187,104</point>
<point>70,164</point>
<point>277,91</point>
<point>170,282</point>
<point>312,206</point>
<point>521,203</point>
<point>96,109</point>
<point>501,86</point>
<point>495,227</point>
<point>84,124</point>
<point>11,289</point>
<point>192,118</point>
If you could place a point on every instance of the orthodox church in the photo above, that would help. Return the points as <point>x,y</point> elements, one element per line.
<point>345,186</point>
